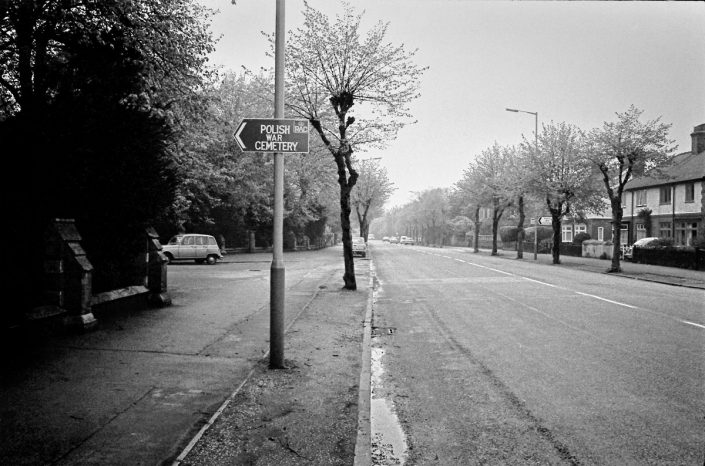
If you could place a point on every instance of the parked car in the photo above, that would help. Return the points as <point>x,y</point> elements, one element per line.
<point>394,239</point>
<point>385,239</point>
<point>359,246</point>
<point>406,240</point>
<point>370,236</point>
<point>196,247</point>
<point>650,242</point>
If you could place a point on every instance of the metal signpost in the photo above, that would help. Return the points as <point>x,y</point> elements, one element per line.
<point>280,136</point>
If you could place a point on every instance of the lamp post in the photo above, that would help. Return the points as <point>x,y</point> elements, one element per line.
<point>536,142</point>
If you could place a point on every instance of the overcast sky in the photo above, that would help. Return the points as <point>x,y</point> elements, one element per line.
<point>578,62</point>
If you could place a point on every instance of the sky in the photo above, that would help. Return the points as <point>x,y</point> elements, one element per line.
<point>573,62</point>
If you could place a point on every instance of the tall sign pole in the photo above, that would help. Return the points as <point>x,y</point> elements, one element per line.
<point>536,141</point>
<point>277,272</point>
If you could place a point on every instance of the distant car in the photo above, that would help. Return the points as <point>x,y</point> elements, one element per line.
<point>385,239</point>
<point>406,240</point>
<point>645,243</point>
<point>359,246</point>
<point>370,236</point>
<point>394,239</point>
<point>196,247</point>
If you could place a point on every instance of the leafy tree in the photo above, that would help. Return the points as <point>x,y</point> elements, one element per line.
<point>432,211</point>
<point>562,176</point>
<point>89,106</point>
<point>330,68</point>
<point>492,168</point>
<point>470,195</point>
<point>516,178</point>
<point>624,149</point>
<point>372,190</point>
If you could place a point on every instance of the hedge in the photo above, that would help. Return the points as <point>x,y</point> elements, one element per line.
<point>671,256</point>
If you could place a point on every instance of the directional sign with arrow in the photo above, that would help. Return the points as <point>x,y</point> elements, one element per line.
<point>545,220</point>
<point>272,135</point>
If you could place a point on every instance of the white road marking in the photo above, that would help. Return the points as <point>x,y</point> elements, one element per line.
<point>607,300</point>
<point>542,283</point>
<point>692,323</point>
<point>569,290</point>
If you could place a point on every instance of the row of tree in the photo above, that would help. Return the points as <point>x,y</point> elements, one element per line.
<point>563,170</point>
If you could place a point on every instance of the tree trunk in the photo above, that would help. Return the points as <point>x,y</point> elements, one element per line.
<point>616,235</point>
<point>520,229</point>
<point>495,227</point>
<point>476,233</point>
<point>556,249</point>
<point>349,276</point>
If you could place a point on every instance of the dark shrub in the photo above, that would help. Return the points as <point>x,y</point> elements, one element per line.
<point>508,234</point>
<point>544,233</point>
<point>580,237</point>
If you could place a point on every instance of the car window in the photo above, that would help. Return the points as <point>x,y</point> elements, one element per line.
<point>199,240</point>
<point>187,241</point>
<point>175,240</point>
<point>211,241</point>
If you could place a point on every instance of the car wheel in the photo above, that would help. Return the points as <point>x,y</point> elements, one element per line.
<point>210,260</point>
<point>169,258</point>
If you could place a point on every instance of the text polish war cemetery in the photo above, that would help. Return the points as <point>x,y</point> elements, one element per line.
<point>272,135</point>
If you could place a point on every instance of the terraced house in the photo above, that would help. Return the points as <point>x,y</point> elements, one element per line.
<point>671,205</point>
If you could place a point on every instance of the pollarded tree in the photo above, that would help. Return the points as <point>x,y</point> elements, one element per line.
<point>621,150</point>
<point>330,68</point>
<point>372,190</point>
<point>562,176</point>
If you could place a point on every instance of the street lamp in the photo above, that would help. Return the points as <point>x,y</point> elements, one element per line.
<point>536,142</point>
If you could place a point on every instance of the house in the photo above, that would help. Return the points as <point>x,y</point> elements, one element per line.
<point>670,205</point>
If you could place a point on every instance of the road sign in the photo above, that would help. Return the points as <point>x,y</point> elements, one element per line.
<point>545,220</point>
<point>272,135</point>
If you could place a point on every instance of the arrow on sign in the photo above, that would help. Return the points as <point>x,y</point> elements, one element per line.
<point>545,221</point>
<point>272,135</point>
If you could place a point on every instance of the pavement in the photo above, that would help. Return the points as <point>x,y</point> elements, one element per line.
<point>66,399</point>
<point>190,384</point>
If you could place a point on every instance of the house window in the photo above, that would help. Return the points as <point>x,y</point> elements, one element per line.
<point>640,231</point>
<point>665,195</point>
<point>600,233</point>
<point>641,197</point>
<point>690,192</point>
<point>580,228</point>
<point>567,236</point>
<point>685,232</point>
<point>624,234</point>
<point>664,229</point>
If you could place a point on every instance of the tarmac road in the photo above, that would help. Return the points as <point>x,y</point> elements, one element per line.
<point>496,361</point>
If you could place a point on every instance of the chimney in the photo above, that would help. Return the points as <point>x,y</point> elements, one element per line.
<point>698,138</point>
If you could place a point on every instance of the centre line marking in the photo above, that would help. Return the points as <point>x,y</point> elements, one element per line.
<point>692,323</point>
<point>606,300</point>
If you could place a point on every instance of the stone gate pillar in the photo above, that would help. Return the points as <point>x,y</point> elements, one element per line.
<point>156,270</point>
<point>68,275</point>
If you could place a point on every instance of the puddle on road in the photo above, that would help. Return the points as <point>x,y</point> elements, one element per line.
<point>388,439</point>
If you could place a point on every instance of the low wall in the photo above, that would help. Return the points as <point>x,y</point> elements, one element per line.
<point>597,249</point>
